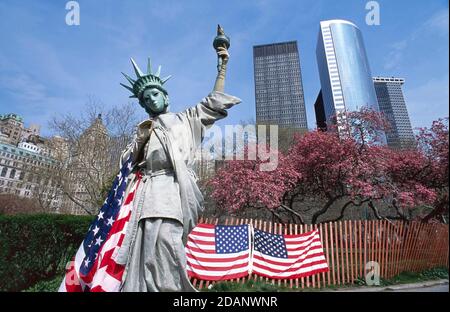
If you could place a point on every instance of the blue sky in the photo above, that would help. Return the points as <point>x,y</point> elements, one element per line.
<point>48,68</point>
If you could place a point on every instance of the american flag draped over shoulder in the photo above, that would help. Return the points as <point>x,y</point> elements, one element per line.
<point>288,256</point>
<point>93,268</point>
<point>218,252</point>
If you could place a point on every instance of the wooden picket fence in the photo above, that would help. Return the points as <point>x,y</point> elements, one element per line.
<point>348,245</point>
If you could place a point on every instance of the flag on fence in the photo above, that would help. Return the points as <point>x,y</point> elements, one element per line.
<point>288,256</point>
<point>218,252</point>
<point>93,268</point>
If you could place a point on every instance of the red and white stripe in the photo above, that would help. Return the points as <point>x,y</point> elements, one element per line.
<point>204,263</point>
<point>106,274</point>
<point>305,258</point>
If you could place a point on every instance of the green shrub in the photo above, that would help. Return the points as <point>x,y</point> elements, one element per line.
<point>410,277</point>
<point>47,285</point>
<point>360,281</point>
<point>37,247</point>
<point>435,273</point>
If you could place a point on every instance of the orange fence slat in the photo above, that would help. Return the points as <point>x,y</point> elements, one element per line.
<point>383,232</point>
<point>408,247</point>
<point>415,228</point>
<point>327,253</point>
<point>401,242</point>
<point>347,267</point>
<point>322,243</point>
<point>360,248</point>
<point>394,236</point>
<point>331,239</point>
<point>336,244</point>
<point>352,280</point>
<point>378,241</point>
<point>389,249</point>
<point>366,252</point>
<point>341,249</point>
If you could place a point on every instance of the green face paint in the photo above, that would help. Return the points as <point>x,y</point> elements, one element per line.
<point>154,100</point>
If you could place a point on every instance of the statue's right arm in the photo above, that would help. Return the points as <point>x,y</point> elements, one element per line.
<point>210,109</point>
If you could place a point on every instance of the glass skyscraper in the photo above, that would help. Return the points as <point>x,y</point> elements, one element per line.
<point>344,70</point>
<point>278,85</point>
<point>392,105</point>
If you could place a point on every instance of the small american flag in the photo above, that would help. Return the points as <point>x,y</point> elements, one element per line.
<point>218,252</point>
<point>288,256</point>
<point>93,268</point>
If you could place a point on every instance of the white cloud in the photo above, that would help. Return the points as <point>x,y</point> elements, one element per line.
<point>46,61</point>
<point>23,87</point>
<point>428,101</point>
<point>438,23</point>
<point>395,55</point>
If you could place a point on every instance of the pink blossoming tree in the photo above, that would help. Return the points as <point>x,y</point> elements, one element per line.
<point>348,170</point>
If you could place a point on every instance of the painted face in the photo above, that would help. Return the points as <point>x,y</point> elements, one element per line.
<point>154,100</point>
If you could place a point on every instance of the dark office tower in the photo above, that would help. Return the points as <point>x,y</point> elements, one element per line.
<point>278,86</point>
<point>392,105</point>
<point>319,109</point>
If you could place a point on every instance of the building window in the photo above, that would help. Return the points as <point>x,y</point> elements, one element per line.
<point>4,170</point>
<point>12,174</point>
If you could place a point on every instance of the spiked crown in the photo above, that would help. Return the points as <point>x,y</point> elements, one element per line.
<point>144,81</point>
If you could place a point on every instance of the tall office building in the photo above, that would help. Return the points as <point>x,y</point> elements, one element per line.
<point>392,105</point>
<point>321,120</point>
<point>278,86</point>
<point>344,70</point>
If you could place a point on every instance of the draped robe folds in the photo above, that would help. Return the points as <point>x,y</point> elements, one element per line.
<point>167,200</point>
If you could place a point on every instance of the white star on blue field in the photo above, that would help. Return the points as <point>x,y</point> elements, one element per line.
<point>231,238</point>
<point>270,244</point>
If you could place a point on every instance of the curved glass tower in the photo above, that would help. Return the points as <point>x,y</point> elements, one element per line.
<point>344,70</point>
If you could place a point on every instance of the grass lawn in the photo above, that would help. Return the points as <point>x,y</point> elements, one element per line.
<point>402,278</point>
<point>262,286</point>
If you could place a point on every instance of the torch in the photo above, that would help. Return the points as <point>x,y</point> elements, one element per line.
<point>221,40</point>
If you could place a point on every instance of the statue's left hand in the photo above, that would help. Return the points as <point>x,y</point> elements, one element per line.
<point>222,52</point>
<point>143,131</point>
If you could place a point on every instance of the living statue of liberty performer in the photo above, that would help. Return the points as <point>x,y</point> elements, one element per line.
<point>167,200</point>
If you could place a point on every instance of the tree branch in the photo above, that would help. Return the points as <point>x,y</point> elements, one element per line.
<point>324,208</point>
<point>402,216</point>
<point>293,212</point>
<point>375,210</point>
<point>351,202</point>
